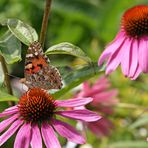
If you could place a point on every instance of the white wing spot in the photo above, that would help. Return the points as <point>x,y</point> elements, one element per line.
<point>36,53</point>
<point>29,55</point>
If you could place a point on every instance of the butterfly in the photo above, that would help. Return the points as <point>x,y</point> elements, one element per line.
<point>38,70</point>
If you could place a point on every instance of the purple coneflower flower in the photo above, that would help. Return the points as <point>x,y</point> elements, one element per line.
<point>130,47</point>
<point>103,101</point>
<point>35,119</point>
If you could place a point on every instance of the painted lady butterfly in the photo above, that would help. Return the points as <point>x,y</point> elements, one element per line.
<point>38,71</point>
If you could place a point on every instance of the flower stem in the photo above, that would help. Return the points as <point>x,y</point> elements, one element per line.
<point>45,22</point>
<point>7,80</point>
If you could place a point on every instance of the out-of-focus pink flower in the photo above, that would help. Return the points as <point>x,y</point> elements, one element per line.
<point>130,47</point>
<point>35,119</point>
<point>103,101</point>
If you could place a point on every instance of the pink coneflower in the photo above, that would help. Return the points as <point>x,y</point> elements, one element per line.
<point>35,119</point>
<point>130,47</point>
<point>103,101</point>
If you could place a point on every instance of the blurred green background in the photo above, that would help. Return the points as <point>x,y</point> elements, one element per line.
<point>90,24</point>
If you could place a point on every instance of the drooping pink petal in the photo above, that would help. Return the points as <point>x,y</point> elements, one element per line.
<point>36,140</point>
<point>23,136</point>
<point>5,136</point>
<point>133,58</point>
<point>102,127</point>
<point>86,86</point>
<point>98,87</point>
<point>80,94</point>
<point>101,84</point>
<point>125,62</point>
<point>7,122</point>
<point>9,111</point>
<point>49,136</point>
<point>111,48</point>
<point>138,71</point>
<point>115,59</point>
<point>105,96</point>
<point>73,102</point>
<point>82,114</point>
<point>67,131</point>
<point>106,110</point>
<point>101,80</point>
<point>86,89</point>
<point>143,54</point>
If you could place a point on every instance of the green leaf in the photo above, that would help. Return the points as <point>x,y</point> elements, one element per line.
<point>68,48</point>
<point>74,78</point>
<point>140,122</point>
<point>1,75</point>
<point>129,144</point>
<point>10,48</point>
<point>22,31</point>
<point>7,97</point>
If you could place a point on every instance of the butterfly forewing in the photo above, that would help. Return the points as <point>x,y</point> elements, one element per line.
<point>38,70</point>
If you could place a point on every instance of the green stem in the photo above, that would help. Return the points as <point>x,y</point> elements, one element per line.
<point>7,80</point>
<point>45,22</point>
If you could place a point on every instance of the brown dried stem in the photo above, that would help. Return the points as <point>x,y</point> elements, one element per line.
<point>45,22</point>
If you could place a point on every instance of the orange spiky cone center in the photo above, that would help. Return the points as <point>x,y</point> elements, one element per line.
<point>135,21</point>
<point>36,105</point>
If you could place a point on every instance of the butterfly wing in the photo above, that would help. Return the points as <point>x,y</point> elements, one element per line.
<point>38,70</point>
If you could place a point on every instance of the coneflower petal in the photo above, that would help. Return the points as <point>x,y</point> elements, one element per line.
<point>23,136</point>
<point>68,131</point>
<point>49,136</point>
<point>7,122</point>
<point>5,136</point>
<point>36,140</point>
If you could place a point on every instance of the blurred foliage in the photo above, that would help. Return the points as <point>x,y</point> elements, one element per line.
<point>6,97</point>
<point>89,24</point>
